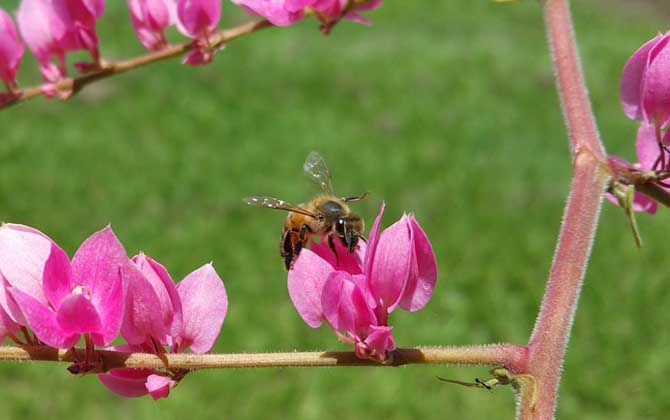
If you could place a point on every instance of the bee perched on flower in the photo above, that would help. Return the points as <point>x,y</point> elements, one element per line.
<point>356,292</point>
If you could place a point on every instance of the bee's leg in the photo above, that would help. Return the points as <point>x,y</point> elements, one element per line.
<point>331,245</point>
<point>356,198</point>
<point>286,248</point>
<point>303,237</point>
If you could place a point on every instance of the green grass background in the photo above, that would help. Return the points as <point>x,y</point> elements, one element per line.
<point>446,109</point>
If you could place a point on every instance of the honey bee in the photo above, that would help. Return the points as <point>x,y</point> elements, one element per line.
<point>326,215</point>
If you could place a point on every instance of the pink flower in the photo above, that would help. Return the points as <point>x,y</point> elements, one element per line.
<point>648,153</point>
<point>81,297</point>
<point>355,292</point>
<point>645,86</point>
<point>287,12</point>
<point>278,12</point>
<point>46,33</point>
<point>199,19</point>
<point>189,315</point>
<point>149,19</point>
<point>11,51</point>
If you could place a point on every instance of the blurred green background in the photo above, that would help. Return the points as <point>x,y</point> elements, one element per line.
<point>446,109</point>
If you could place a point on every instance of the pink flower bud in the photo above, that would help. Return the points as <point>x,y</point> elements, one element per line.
<point>11,51</point>
<point>278,12</point>
<point>149,19</point>
<point>645,85</point>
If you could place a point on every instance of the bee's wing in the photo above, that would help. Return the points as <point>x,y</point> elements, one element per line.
<point>317,171</point>
<point>275,203</point>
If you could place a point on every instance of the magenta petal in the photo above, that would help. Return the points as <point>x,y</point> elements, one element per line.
<point>77,315</point>
<point>633,78</point>
<point>392,263</point>
<point>42,321</point>
<point>345,261</point>
<point>198,17</point>
<point>373,239</point>
<point>421,282</point>
<point>57,277</point>
<point>305,283</point>
<point>142,315</point>
<point>344,305</point>
<point>111,313</point>
<point>23,253</point>
<point>97,264</point>
<point>159,386</point>
<point>647,146</point>
<point>128,383</point>
<point>278,12</point>
<point>380,340</point>
<point>204,303</point>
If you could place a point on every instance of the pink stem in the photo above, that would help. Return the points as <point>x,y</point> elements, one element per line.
<point>552,328</point>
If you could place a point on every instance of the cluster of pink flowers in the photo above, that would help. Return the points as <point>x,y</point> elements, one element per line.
<point>645,96</point>
<point>354,293</point>
<point>53,28</point>
<point>100,294</point>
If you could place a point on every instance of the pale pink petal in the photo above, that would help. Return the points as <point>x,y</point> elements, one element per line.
<point>142,317</point>
<point>204,304</point>
<point>380,340</point>
<point>111,313</point>
<point>130,383</point>
<point>97,264</point>
<point>161,282</point>
<point>305,284</point>
<point>632,80</point>
<point>57,277</point>
<point>656,87</point>
<point>392,263</point>
<point>77,315</point>
<point>42,321</point>
<point>344,305</point>
<point>7,301</point>
<point>159,386</point>
<point>421,282</point>
<point>23,253</point>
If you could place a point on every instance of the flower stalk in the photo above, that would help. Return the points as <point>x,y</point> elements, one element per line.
<point>510,356</point>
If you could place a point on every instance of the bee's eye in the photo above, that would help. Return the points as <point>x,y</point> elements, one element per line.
<point>339,226</point>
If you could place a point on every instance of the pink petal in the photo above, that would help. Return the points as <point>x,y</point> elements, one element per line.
<point>392,262</point>
<point>380,340</point>
<point>373,239</point>
<point>305,283</point>
<point>57,277</point>
<point>142,317</point>
<point>77,315</point>
<point>42,321</point>
<point>111,313</point>
<point>130,383</point>
<point>7,301</point>
<point>11,49</point>
<point>345,261</point>
<point>197,18</point>
<point>204,303</point>
<point>421,282</point>
<point>23,253</point>
<point>41,28</point>
<point>632,80</point>
<point>97,264</point>
<point>344,305</point>
<point>656,87</point>
<point>278,12</point>
<point>7,325</point>
<point>159,386</point>
<point>162,284</point>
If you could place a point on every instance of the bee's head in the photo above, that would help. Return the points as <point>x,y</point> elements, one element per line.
<point>349,229</point>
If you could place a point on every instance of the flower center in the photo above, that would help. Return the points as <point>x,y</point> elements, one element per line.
<point>82,290</point>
